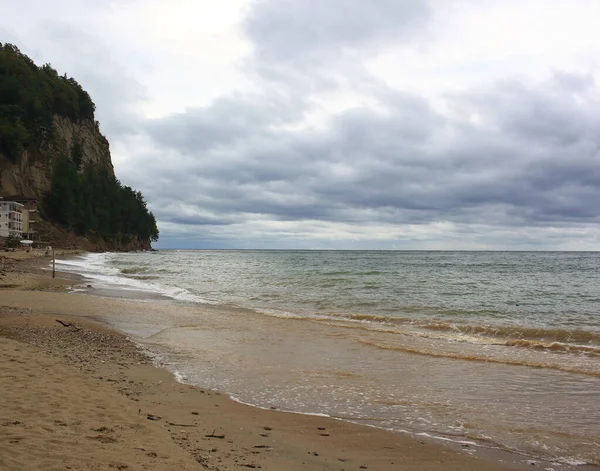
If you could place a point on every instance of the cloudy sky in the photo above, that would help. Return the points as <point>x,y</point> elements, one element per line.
<point>350,124</point>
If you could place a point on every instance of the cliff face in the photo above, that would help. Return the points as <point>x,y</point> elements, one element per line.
<point>51,149</point>
<point>31,175</point>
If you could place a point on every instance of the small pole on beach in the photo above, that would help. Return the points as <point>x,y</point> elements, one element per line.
<point>53,264</point>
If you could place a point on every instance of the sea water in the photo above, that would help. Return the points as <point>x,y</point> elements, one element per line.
<point>501,348</point>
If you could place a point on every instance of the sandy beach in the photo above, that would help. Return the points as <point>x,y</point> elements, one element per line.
<point>77,395</point>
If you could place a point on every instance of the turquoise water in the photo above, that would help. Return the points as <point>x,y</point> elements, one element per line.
<point>502,348</point>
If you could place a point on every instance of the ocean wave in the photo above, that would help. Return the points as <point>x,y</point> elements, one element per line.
<point>336,273</point>
<point>553,346</point>
<point>516,332</point>
<point>511,335</point>
<point>481,357</point>
<point>97,268</point>
<point>134,270</point>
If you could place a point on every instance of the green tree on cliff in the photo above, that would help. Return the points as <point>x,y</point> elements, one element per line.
<point>95,203</point>
<point>30,97</point>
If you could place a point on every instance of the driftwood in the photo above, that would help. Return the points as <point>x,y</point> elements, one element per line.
<point>212,435</point>
<point>64,324</point>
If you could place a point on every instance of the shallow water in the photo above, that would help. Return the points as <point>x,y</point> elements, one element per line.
<point>503,348</point>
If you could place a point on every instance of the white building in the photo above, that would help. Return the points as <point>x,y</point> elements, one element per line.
<point>28,213</point>
<point>11,219</point>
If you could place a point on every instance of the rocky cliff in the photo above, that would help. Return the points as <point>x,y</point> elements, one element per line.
<point>31,175</point>
<point>51,149</point>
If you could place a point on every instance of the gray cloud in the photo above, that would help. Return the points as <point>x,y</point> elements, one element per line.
<point>404,165</point>
<point>515,162</point>
<point>552,114</point>
<point>313,46</point>
<point>226,121</point>
<point>290,30</point>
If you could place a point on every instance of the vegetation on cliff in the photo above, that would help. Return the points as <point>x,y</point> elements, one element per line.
<point>94,202</point>
<point>30,97</point>
<point>84,197</point>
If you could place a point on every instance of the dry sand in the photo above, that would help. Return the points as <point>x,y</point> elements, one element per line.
<point>76,395</point>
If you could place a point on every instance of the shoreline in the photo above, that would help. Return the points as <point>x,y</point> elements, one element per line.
<point>216,431</point>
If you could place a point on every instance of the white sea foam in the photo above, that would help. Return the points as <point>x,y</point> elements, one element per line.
<point>447,439</point>
<point>96,268</point>
<point>571,461</point>
<point>179,377</point>
<point>290,411</point>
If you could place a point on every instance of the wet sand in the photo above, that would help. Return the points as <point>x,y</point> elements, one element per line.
<point>77,395</point>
